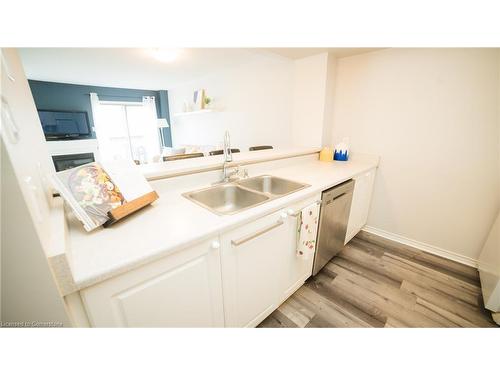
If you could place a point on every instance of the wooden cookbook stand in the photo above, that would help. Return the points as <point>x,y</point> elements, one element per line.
<point>130,207</point>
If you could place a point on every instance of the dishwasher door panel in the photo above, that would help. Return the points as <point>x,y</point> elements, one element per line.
<point>334,216</point>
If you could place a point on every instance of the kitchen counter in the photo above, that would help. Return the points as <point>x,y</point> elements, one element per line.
<point>156,171</point>
<point>174,222</point>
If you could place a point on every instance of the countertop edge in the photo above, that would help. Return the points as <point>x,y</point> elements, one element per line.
<point>185,167</point>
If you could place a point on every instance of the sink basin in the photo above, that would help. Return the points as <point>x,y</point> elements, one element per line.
<point>231,198</point>
<point>271,185</point>
<point>226,199</point>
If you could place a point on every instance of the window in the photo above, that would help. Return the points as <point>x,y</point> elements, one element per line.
<point>127,130</point>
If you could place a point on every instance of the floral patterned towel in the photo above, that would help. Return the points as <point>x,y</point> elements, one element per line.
<point>307,229</point>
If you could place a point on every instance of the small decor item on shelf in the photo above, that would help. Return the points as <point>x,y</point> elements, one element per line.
<point>187,107</point>
<point>342,150</point>
<point>198,99</point>
<point>100,196</point>
<point>207,102</point>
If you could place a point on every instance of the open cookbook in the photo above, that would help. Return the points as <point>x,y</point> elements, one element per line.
<point>93,190</point>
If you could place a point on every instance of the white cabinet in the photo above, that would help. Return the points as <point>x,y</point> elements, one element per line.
<point>181,290</point>
<point>360,205</point>
<point>260,268</point>
<point>252,269</point>
<point>236,283</point>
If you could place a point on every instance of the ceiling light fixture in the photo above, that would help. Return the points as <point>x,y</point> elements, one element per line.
<point>165,54</point>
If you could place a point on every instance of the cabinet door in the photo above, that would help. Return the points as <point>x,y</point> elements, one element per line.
<point>360,205</point>
<point>181,290</point>
<point>299,269</point>
<point>254,269</point>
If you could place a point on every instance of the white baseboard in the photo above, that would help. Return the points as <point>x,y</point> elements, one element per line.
<point>423,246</point>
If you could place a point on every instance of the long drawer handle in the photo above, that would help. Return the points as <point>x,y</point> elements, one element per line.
<point>297,213</point>
<point>256,234</point>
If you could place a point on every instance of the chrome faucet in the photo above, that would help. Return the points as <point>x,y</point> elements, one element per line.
<point>228,158</point>
<point>226,174</point>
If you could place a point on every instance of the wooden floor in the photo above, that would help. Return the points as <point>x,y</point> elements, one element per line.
<point>377,283</point>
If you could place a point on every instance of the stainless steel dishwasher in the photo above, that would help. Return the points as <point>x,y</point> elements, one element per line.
<point>334,214</point>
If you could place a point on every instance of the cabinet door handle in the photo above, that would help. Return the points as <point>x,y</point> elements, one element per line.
<point>256,234</point>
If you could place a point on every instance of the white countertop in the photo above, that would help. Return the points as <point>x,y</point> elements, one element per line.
<point>174,222</point>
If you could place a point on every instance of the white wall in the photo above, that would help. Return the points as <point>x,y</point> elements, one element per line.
<point>329,106</point>
<point>433,117</point>
<point>313,95</point>
<point>309,90</point>
<point>254,103</point>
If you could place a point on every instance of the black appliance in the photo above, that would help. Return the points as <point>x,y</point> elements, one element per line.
<point>59,125</point>
<point>63,162</point>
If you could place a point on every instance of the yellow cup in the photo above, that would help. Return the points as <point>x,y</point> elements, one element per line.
<point>326,154</point>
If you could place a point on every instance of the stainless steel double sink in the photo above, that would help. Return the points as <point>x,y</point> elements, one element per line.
<point>233,197</point>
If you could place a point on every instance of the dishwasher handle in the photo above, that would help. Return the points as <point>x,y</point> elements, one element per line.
<point>337,191</point>
<point>334,199</point>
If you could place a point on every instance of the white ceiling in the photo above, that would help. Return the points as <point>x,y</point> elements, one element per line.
<point>299,53</point>
<point>137,68</point>
<point>126,67</point>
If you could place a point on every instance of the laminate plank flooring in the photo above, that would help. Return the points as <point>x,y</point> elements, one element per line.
<point>375,282</point>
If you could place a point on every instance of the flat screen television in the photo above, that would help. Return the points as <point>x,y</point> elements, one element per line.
<point>58,125</point>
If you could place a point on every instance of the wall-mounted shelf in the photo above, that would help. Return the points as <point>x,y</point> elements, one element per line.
<point>190,113</point>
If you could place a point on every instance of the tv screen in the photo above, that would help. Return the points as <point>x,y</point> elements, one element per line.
<point>64,124</point>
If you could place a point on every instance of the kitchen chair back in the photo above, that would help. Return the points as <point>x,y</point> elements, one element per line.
<point>183,156</point>
<point>257,148</point>
<point>220,152</point>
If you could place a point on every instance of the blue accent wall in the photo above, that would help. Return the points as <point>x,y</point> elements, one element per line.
<point>68,97</point>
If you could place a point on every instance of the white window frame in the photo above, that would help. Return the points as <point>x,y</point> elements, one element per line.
<point>129,104</point>
<point>124,104</point>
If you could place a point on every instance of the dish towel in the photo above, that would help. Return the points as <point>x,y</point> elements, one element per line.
<point>307,229</point>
